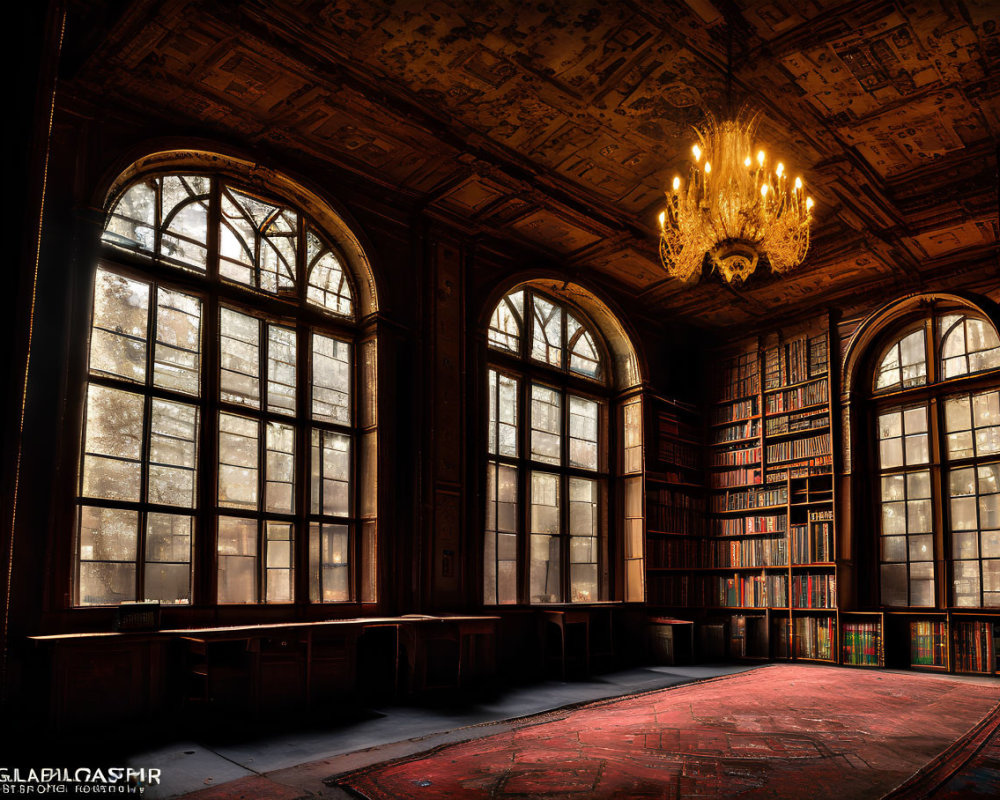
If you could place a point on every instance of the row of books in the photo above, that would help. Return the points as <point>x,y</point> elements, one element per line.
<point>975,646</point>
<point>795,361</point>
<point>736,458</point>
<point>740,377</point>
<point>680,454</point>
<point>796,449</point>
<point>750,591</point>
<point>812,543</point>
<point>814,637</point>
<point>820,465</point>
<point>736,477</point>
<point>746,429</point>
<point>672,511</point>
<point>861,643</point>
<point>737,526</point>
<point>739,409</point>
<point>814,591</point>
<point>794,423</point>
<point>812,394</point>
<point>750,499</point>
<point>715,554</point>
<point>928,644</point>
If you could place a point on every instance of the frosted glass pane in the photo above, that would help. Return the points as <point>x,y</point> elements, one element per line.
<point>281,366</point>
<point>328,284</point>
<point>330,473</point>
<point>505,324</point>
<point>890,425</point>
<point>238,468</point>
<point>921,548</point>
<point>966,583</point>
<point>119,328</point>
<point>239,344</point>
<point>546,425</point>
<point>583,426</point>
<point>546,345</point>
<point>177,357</point>
<point>278,561</point>
<point>113,444</point>
<point>132,221</point>
<point>893,518</point>
<point>894,548</point>
<point>544,503</point>
<point>108,534</point>
<point>173,447</point>
<point>103,583</point>
<point>331,379</point>
<point>545,580</point>
<point>891,453</point>
<point>329,559</point>
<point>894,585</point>
<point>893,487</point>
<point>237,556</point>
<point>582,507</point>
<point>583,583</point>
<point>280,468</point>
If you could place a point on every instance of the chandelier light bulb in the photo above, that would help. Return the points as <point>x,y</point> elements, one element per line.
<point>760,157</point>
<point>708,167</point>
<point>798,183</point>
<point>663,219</point>
<point>697,153</point>
<point>748,162</point>
<point>809,203</point>
<point>763,190</point>
<point>780,169</point>
<point>677,183</point>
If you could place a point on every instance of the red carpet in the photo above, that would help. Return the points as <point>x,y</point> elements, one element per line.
<point>785,731</point>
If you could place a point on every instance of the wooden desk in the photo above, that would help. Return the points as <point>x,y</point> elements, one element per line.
<point>253,667</point>
<point>472,637</point>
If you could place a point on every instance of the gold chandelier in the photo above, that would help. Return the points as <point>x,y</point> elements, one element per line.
<point>734,209</point>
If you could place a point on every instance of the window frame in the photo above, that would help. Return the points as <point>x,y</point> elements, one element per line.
<point>528,371</point>
<point>933,394</point>
<point>290,310</point>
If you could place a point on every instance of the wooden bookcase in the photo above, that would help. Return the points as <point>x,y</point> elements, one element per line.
<point>771,493</point>
<point>675,500</point>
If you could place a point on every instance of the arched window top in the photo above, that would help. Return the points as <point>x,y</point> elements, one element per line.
<point>545,330</point>
<point>903,363</point>
<point>260,242</point>
<point>968,345</point>
<point>962,344</point>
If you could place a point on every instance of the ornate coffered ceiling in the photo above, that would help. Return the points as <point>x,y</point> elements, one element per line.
<point>558,123</point>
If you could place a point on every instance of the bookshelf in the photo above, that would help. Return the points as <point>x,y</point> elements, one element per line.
<point>674,502</point>
<point>771,494</point>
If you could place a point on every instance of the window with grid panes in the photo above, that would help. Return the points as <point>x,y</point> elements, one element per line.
<point>547,475</point>
<point>937,417</point>
<point>219,404</point>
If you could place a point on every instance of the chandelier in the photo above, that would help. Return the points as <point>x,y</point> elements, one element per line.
<point>734,209</point>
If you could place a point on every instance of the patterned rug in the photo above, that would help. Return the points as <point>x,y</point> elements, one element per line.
<point>783,731</point>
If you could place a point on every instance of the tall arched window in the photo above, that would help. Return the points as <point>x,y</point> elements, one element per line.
<point>936,401</point>
<point>222,419</point>
<point>548,473</point>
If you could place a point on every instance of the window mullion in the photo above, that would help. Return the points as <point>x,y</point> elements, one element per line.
<point>303,454</point>
<point>206,567</point>
<point>524,488</point>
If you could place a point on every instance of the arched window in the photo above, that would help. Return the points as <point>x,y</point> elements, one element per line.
<point>221,422</point>
<point>936,400</point>
<point>549,471</point>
